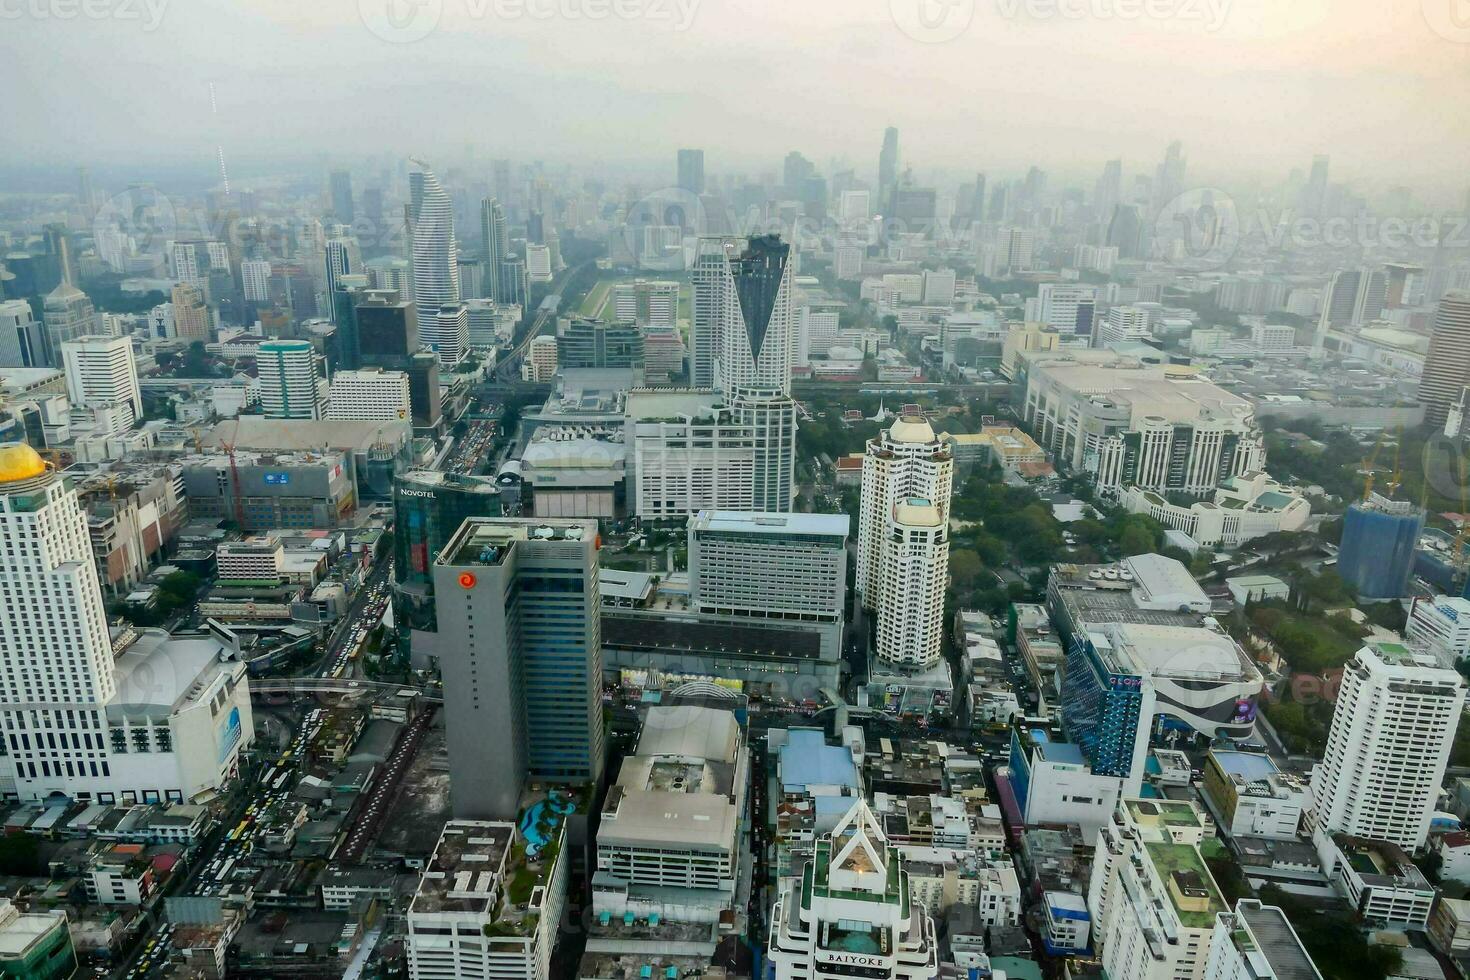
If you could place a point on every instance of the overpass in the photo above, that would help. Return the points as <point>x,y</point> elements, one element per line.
<point>299,686</point>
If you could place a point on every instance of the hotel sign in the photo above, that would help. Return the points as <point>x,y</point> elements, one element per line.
<point>855,959</point>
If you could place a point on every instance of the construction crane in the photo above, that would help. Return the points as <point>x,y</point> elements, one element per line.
<point>1369,462</point>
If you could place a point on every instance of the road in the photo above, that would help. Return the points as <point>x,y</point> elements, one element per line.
<point>509,367</point>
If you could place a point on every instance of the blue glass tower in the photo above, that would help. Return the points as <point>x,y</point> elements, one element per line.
<point>1103,706</point>
<point>1379,536</point>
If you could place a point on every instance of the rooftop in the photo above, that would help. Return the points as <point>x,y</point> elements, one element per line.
<point>1276,941</point>
<point>1184,861</point>
<point>485,540</point>
<point>743,522</point>
<point>464,873</point>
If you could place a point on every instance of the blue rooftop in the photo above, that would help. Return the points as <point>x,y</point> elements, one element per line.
<point>1067,753</point>
<point>807,760</point>
<point>1250,766</point>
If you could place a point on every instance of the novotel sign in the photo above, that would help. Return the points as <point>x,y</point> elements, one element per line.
<point>854,959</point>
<point>405,492</point>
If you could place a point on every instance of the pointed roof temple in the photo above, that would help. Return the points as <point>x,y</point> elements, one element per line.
<point>758,273</point>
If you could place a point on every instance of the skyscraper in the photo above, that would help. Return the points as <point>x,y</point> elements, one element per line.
<point>903,541</point>
<point>340,185</point>
<point>290,385</point>
<point>434,251</point>
<point>100,371</point>
<point>447,332</point>
<point>887,166</point>
<point>1390,740</point>
<point>521,656</point>
<point>22,339</point>
<point>691,171</point>
<point>67,314</point>
<point>497,242</point>
<point>1169,179</point>
<point>1109,190</point>
<point>849,913</point>
<point>343,258</point>
<point>1447,365</point>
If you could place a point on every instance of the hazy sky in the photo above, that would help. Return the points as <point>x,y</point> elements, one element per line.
<point>1253,87</point>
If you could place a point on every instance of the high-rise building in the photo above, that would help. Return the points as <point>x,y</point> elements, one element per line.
<point>447,332</point>
<point>515,281</point>
<point>390,272</point>
<point>538,263</point>
<point>496,235</point>
<point>37,945</point>
<point>1066,308</point>
<point>22,338</point>
<point>369,393</point>
<point>340,185</point>
<point>428,508</point>
<point>101,372</point>
<point>343,258</point>
<point>903,541</point>
<point>67,314</point>
<point>192,260</point>
<point>521,656</point>
<point>1125,231</point>
<point>691,171</point>
<point>647,302</point>
<point>191,316</point>
<point>290,383</point>
<point>1392,729</point>
<point>582,342</point>
<point>154,720</point>
<point>1109,190</point>
<point>387,328</point>
<point>1376,556</point>
<point>887,166</point>
<point>849,914</point>
<point>540,363</point>
<point>255,277</point>
<point>434,251</point>
<point>1447,365</point>
<point>1153,900</point>
<point>1354,297</point>
<point>769,566</point>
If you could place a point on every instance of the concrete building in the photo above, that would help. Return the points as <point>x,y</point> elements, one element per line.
<point>473,918</point>
<point>540,361</point>
<point>263,491</point>
<point>1378,880</point>
<point>1447,365</point>
<point>1245,507</point>
<point>67,314</point>
<point>101,372</point>
<point>35,945</point>
<point>1442,625</point>
<point>1154,902</point>
<point>1257,942</point>
<point>1386,753</point>
<point>769,566</point>
<point>907,461</point>
<point>369,394</point>
<point>669,840</point>
<point>1251,797</point>
<point>523,681</point>
<point>851,910</point>
<point>647,302</point>
<point>1159,427</point>
<point>290,379</point>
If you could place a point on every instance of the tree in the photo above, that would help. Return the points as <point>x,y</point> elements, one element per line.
<point>964,569</point>
<point>1135,540</point>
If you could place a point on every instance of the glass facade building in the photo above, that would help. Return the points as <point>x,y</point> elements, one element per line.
<point>1379,537</point>
<point>1103,707</point>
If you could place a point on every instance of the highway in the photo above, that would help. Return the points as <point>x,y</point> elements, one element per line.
<point>509,368</point>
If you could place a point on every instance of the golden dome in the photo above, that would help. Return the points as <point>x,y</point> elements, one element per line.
<point>19,462</point>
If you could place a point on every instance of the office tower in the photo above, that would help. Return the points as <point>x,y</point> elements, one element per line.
<point>1067,309</point>
<point>340,183</point>
<point>471,278</point>
<point>1379,536</point>
<point>647,302</point>
<point>426,401</point>
<point>101,372</point>
<point>938,287</point>
<point>1257,942</point>
<point>538,263</point>
<point>1354,297</point>
<point>390,272</point>
<point>1123,324</point>
<point>370,393</point>
<point>515,285</point>
<point>906,461</point>
<point>691,171</point>
<point>1447,365</point>
<point>447,332</point>
<point>1125,232</point>
<point>709,283</point>
<point>1405,285</point>
<point>147,722</point>
<point>850,910</point>
<point>521,656</point>
<point>290,386</point>
<point>1109,190</point>
<point>496,235</point>
<point>914,208</point>
<point>854,207</point>
<point>1020,247</point>
<point>342,258</point>
<point>428,508</point>
<point>887,166</point>
<point>1392,728</point>
<point>1153,900</point>
<point>582,342</point>
<point>387,328</point>
<point>67,314</point>
<point>255,277</point>
<point>488,904</point>
<point>350,291</point>
<point>1169,179</point>
<point>191,317</point>
<point>22,338</point>
<point>669,841</point>
<point>433,249</point>
<point>1314,194</point>
<point>847,259</point>
<point>795,171</point>
<point>663,354</point>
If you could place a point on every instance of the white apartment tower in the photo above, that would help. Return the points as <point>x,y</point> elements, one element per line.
<point>290,386</point>
<point>369,394</point>
<point>1388,746</point>
<point>447,332</point>
<point>434,251</point>
<point>907,461</point>
<point>913,572</point>
<point>850,913</point>
<point>255,278</point>
<point>647,302</point>
<point>100,372</point>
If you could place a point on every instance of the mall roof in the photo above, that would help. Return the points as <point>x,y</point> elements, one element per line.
<point>807,760</point>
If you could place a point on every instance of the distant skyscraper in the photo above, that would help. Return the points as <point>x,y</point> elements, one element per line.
<point>22,339</point>
<point>1386,753</point>
<point>340,183</point>
<point>496,236</point>
<point>1447,365</point>
<point>255,277</point>
<point>521,656</point>
<point>434,251</point>
<point>1109,190</point>
<point>903,543</point>
<point>100,372</point>
<point>1314,194</point>
<point>290,385</point>
<point>68,314</point>
<point>691,171</point>
<point>342,258</point>
<point>887,166</point>
<point>1169,179</point>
